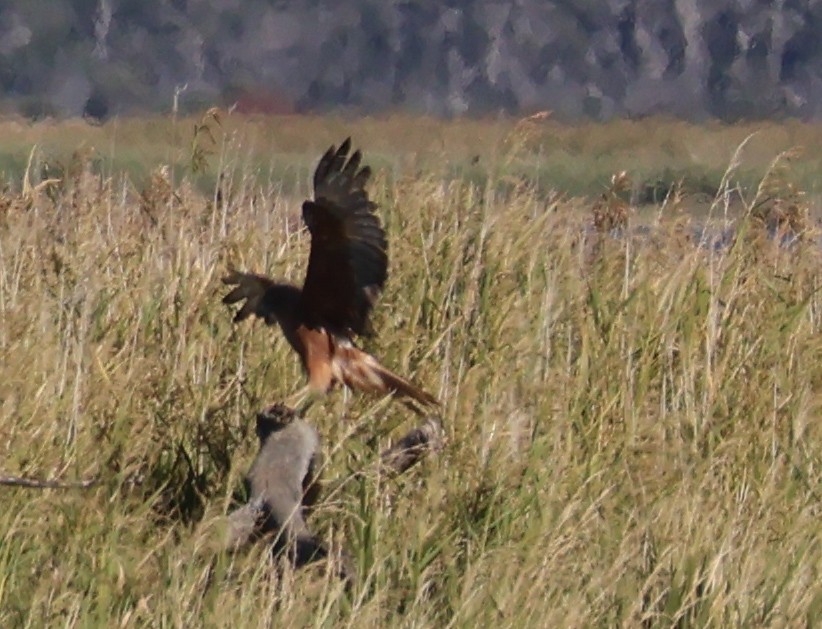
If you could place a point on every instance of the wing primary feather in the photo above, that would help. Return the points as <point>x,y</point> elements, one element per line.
<point>348,262</point>
<point>361,178</point>
<point>323,167</point>
<point>338,162</point>
<point>264,297</point>
<point>353,164</point>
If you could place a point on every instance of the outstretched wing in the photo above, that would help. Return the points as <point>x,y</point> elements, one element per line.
<point>348,263</point>
<point>263,297</point>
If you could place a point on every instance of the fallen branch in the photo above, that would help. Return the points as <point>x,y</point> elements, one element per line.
<point>36,483</point>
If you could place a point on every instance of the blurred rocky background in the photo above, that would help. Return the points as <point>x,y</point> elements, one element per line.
<point>728,59</point>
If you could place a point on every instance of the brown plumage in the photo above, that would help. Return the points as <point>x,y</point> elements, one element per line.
<point>347,269</point>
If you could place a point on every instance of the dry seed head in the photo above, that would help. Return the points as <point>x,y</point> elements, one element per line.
<point>779,204</point>
<point>611,210</point>
<point>158,195</point>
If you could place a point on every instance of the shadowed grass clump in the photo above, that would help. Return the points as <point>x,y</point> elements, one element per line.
<point>631,417</point>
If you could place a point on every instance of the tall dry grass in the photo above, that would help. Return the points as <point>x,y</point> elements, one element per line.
<point>632,418</point>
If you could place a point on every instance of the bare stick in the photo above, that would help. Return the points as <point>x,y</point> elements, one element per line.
<point>36,483</point>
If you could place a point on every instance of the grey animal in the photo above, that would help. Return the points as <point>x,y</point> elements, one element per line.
<point>283,484</point>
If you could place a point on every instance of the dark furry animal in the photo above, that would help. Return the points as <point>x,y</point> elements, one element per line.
<point>282,485</point>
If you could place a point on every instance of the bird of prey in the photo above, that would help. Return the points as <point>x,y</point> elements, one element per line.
<point>347,269</point>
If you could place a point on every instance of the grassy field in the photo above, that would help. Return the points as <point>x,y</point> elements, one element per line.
<point>633,432</point>
<point>278,153</point>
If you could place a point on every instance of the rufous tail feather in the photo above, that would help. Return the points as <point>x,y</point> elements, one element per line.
<point>401,386</point>
<point>360,370</point>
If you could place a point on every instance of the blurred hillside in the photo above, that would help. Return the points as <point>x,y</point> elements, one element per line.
<point>594,58</point>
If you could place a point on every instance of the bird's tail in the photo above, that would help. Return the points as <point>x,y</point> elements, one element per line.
<point>401,386</point>
<point>360,370</point>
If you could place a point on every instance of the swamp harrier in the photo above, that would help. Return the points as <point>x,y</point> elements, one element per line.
<point>347,269</point>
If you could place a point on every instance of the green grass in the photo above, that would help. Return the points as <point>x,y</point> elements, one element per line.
<point>632,424</point>
<point>574,159</point>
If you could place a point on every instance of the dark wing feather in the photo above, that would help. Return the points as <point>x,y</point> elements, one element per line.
<point>348,263</point>
<point>263,297</point>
